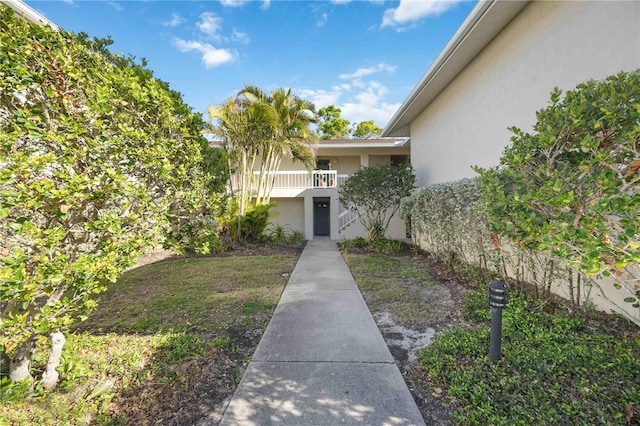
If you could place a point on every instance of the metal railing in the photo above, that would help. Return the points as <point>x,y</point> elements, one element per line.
<point>347,217</point>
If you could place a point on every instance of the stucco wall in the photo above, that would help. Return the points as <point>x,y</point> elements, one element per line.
<point>397,230</point>
<point>289,212</point>
<point>376,160</point>
<point>548,44</point>
<point>343,164</point>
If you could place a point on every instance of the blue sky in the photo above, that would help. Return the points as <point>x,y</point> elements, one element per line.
<point>362,56</point>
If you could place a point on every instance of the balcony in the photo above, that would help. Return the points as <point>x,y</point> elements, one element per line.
<point>289,183</point>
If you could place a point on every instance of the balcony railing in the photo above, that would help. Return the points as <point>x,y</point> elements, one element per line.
<point>302,179</point>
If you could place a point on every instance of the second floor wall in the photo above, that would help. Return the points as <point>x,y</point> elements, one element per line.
<point>335,165</point>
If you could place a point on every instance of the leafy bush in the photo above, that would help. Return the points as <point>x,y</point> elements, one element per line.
<point>375,192</point>
<point>249,227</point>
<point>448,219</point>
<point>282,235</point>
<point>554,370</point>
<point>571,187</point>
<point>383,245</point>
<point>98,161</point>
<point>567,193</point>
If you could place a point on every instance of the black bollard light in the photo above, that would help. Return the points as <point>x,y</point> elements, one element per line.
<point>497,302</point>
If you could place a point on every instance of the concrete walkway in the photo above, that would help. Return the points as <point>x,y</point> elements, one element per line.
<point>322,359</point>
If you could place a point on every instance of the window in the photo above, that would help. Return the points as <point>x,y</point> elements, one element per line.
<point>323,164</point>
<point>397,160</point>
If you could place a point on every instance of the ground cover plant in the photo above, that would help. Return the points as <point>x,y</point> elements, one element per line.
<point>167,343</point>
<point>555,368</point>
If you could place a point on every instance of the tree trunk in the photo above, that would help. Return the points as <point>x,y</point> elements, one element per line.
<point>20,366</point>
<point>50,375</point>
<point>4,362</point>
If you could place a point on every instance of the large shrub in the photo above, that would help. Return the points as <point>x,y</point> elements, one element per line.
<point>450,221</point>
<point>571,186</point>
<point>447,219</point>
<point>98,160</point>
<point>375,192</point>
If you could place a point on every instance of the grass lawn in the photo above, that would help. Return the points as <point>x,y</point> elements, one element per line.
<point>556,369</point>
<point>167,344</point>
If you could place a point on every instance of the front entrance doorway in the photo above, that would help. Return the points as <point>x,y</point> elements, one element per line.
<point>321,216</point>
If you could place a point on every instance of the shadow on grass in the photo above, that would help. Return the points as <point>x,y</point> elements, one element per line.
<point>168,343</point>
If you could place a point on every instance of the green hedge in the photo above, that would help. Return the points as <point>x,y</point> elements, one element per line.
<point>98,161</point>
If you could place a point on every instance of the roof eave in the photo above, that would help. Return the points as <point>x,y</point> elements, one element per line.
<point>484,22</point>
<point>28,13</point>
<point>396,142</point>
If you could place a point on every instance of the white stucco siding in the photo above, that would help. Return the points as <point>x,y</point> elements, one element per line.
<point>376,160</point>
<point>548,44</point>
<point>289,213</point>
<point>288,164</point>
<point>345,164</point>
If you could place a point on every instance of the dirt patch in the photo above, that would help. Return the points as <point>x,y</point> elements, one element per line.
<point>410,322</point>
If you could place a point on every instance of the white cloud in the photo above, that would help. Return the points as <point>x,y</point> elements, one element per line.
<point>410,12</point>
<point>210,24</point>
<point>368,104</point>
<point>357,112</point>
<point>232,3</point>
<point>116,6</point>
<point>239,3</point>
<point>211,57</point>
<point>365,102</point>
<point>322,20</point>
<point>340,1</point>
<point>240,37</point>
<point>361,72</point>
<point>321,98</point>
<point>176,20</point>
<point>358,96</point>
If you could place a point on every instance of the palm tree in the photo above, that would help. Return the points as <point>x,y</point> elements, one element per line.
<point>230,124</point>
<point>257,125</point>
<point>289,133</point>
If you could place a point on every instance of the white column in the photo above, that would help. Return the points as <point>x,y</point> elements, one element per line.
<point>308,217</point>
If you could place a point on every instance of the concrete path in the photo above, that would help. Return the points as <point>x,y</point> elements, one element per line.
<point>322,359</point>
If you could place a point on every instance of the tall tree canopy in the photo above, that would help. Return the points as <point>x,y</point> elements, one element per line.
<point>331,124</point>
<point>367,130</point>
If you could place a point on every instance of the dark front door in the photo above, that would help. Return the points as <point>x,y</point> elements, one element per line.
<point>321,217</point>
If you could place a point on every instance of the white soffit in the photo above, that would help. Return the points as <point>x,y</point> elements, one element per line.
<point>364,143</point>
<point>29,14</point>
<point>484,22</point>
